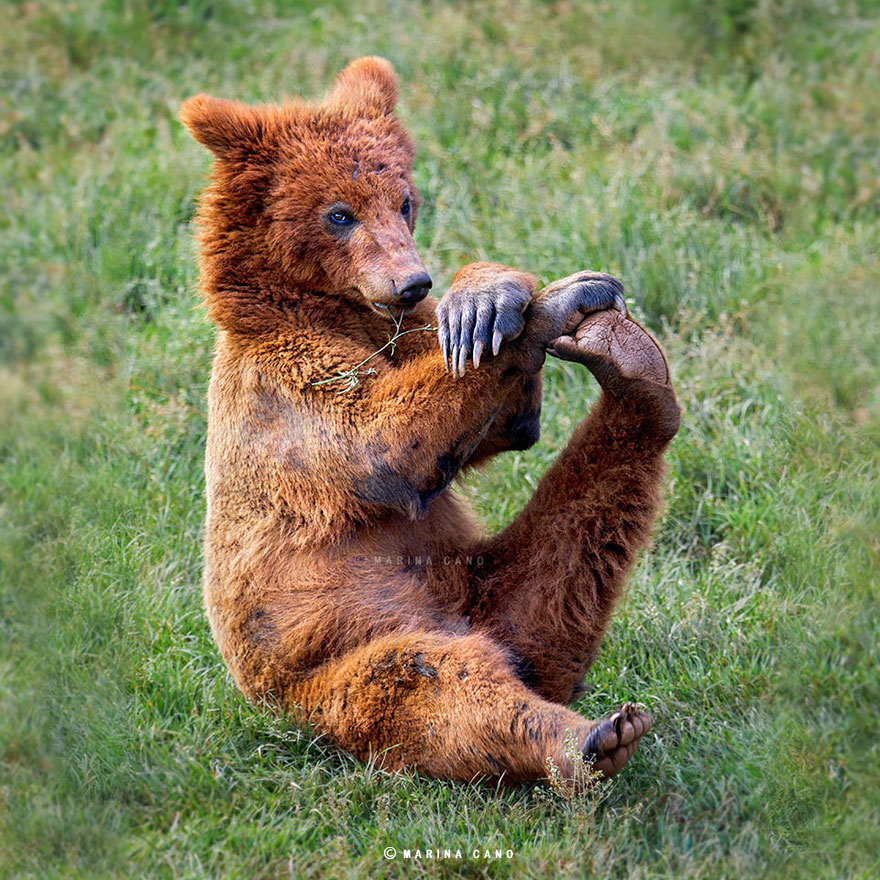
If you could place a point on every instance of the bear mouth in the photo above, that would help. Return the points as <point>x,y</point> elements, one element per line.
<point>394,313</point>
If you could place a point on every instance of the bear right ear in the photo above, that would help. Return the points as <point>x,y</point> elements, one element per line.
<point>366,85</point>
<point>229,129</point>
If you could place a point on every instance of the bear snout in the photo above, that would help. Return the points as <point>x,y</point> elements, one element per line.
<point>390,293</point>
<point>413,289</point>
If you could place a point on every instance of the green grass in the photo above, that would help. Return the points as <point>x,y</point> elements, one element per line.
<point>723,158</point>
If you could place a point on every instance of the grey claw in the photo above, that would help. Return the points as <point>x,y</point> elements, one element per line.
<point>620,304</point>
<point>454,331</point>
<point>462,360</point>
<point>444,344</point>
<point>468,319</point>
<point>496,342</point>
<point>478,350</point>
<point>482,328</point>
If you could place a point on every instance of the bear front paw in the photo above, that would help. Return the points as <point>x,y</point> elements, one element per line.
<point>483,307</point>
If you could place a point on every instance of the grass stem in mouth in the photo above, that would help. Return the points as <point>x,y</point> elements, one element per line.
<point>351,378</point>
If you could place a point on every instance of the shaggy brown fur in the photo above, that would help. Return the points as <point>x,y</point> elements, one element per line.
<point>342,575</point>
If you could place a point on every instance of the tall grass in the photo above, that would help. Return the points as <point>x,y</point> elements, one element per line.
<point>723,159</point>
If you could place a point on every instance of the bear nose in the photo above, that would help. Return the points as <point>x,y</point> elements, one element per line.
<point>414,289</point>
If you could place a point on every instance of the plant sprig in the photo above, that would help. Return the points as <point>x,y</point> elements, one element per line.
<point>352,377</point>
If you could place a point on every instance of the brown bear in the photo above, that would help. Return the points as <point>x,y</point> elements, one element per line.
<point>344,579</point>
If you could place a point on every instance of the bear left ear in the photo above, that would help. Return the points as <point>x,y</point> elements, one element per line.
<point>366,84</point>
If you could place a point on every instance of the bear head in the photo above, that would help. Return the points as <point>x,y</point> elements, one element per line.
<point>309,198</point>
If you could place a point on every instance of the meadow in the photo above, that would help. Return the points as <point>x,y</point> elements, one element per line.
<point>721,157</point>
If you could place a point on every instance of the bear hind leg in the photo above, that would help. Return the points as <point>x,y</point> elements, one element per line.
<point>451,708</point>
<point>549,582</point>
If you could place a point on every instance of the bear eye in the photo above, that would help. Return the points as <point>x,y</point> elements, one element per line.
<point>405,208</point>
<point>341,218</point>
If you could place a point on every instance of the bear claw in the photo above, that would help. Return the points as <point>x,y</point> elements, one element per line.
<point>483,308</point>
<point>572,298</point>
<point>613,741</point>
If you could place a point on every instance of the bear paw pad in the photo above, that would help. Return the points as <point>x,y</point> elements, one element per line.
<point>612,340</point>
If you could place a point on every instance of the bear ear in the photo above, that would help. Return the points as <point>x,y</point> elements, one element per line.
<point>229,129</point>
<point>367,84</point>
